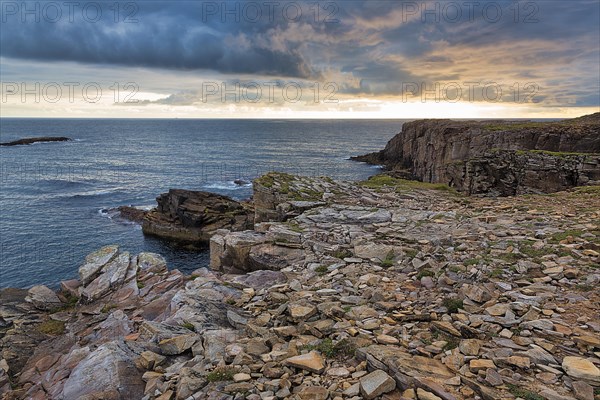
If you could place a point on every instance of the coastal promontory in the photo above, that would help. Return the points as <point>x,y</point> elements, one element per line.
<point>502,157</point>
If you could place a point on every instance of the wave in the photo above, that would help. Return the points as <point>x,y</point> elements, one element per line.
<point>229,185</point>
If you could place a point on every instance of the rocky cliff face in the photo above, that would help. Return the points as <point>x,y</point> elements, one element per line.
<point>496,157</point>
<point>191,217</point>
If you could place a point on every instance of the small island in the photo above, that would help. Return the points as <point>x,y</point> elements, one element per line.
<point>33,140</point>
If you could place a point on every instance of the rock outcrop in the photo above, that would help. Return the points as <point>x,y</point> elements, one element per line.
<point>36,140</point>
<point>192,217</point>
<point>388,290</point>
<point>496,157</point>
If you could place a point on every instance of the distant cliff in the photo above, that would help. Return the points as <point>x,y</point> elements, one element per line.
<point>496,157</point>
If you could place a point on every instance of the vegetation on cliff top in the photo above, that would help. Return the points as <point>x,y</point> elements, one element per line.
<point>382,181</point>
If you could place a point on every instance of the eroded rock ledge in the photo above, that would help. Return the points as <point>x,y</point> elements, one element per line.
<point>192,217</point>
<point>499,158</point>
<point>384,289</point>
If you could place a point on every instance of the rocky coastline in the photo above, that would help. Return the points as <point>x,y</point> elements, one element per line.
<point>496,158</point>
<point>43,139</point>
<point>320,289</point>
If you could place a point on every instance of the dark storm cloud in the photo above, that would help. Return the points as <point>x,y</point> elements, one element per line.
<point>377,45</point>
<point>162,35</point>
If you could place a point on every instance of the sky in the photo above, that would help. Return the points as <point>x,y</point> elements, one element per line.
<point>300,59</point>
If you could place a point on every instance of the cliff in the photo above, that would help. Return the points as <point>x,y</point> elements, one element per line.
<point>496,157</point>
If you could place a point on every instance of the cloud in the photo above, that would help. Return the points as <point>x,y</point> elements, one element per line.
<point>373,49</point>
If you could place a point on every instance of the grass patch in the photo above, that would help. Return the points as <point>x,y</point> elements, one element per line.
<point>509,257</point>
<point>71,302</point>
<point>342,349</point>
<point>140,285</point>
<point>560,236</point>
<point>268,180</point>
<point>321,270</point>
<point>293,226</point>
<point>470,262</point>
<point>220,374</point>
<point>107,308</point>
<point>425,272</point>
<point>385,181</point>
<point>52,327</point>
<point>453,305</point>
<point>523,393</point>
<point>342,253</point>
<point>595,190</point>
<point>451,344</point>
<point>584,287</point>
<point>411,253</point>
<point>188,325</point>
<point>496,273</point>
<point>389,259</point>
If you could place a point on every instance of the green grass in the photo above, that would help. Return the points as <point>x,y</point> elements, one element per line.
<point>453,305</point>
<point>52,327</point>
<point>425,272</point>
<point>140,285</point>
<point>470,262</point>
<point>399,185</point>
<point>188,325</point>
<point>293,226</point>
<point>342,349</point>
<point>108,307</point>
<point>220,374</point>
<point>71,302</point>
<point>558,237</point>
<point>342,253</point>
<point>411,253</point>
<point>321,270</point>
<point>595,190</point>
<point>268,180</point>
<point>389,260</point>
<point>523,393</point>
<point>496,273</point>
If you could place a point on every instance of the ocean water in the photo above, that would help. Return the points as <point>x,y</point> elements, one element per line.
<point>54,197</point>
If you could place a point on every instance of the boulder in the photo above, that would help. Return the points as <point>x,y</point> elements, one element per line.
<point>312,362</point>
<point>582,369</point>
<point>107,372</point>
<point>375,384</point>
<point>95,261</point>
<point>273,257</point>
<point>42,298</point>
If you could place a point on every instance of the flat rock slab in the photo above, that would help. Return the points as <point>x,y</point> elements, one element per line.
<point>375,384</point>
<point>312,362</point>
<point>580,368</point>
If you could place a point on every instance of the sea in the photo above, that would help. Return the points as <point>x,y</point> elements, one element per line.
<point>57,199</point>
